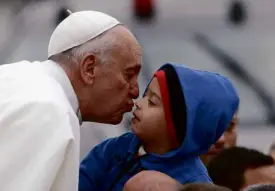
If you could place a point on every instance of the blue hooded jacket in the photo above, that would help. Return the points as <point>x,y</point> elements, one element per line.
<point>211,102</point>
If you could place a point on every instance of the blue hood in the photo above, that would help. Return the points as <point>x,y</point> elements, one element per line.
<point>211,101</point>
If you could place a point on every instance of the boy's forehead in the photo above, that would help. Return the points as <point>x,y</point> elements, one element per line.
<point>154,86</point>
<point>153,89</point>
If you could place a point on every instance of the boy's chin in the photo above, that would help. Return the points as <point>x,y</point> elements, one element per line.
<point>134,128</point>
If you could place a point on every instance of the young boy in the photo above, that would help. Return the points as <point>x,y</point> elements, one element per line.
<point>183,112</point>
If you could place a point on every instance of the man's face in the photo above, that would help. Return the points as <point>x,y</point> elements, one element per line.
<point>272,153</point>
<point>230,135</point>
<point>262,175</point>
<point>115,85</point>
<point>227,140</point>
<point>149,121</point>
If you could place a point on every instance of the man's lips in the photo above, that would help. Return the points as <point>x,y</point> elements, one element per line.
<point>129,107</point>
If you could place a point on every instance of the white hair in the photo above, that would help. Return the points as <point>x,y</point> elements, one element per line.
<point>101,46</point>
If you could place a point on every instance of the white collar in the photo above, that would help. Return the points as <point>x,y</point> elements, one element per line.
<point>141,151</point>
<point>58,73</point>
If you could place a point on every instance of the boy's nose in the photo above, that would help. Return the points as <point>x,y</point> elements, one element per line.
<point>138,103</point>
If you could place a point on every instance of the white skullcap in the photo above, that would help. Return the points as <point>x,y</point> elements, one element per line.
<point>78,28</point>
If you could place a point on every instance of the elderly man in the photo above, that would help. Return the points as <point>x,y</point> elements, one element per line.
<point>91,75</point>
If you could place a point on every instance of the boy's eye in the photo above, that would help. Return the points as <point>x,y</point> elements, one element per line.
<point>151,103</point>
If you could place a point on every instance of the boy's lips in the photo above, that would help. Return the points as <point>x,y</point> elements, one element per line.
<point>135,116</point>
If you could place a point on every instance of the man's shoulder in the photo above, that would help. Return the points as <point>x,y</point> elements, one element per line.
<point>33,104</point>
<point>34,87</point>
<point>33,107</point>
<point>30,113</point>
<point>24,77</point>
<point>16,67</point>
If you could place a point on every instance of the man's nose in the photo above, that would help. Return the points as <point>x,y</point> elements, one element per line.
<point>134,91</point>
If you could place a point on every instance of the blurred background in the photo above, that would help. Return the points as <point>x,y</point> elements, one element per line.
<point>234,38</point>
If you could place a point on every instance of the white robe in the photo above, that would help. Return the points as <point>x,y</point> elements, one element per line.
<point>39,128</point>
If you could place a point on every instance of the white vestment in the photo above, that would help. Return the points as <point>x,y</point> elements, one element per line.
<point>39,128</point>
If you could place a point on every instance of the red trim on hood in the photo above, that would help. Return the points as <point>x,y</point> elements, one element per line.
<point>161,77</point>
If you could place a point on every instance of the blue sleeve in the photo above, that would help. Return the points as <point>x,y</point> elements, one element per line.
<point>94,166</point>
<point>202,178</point>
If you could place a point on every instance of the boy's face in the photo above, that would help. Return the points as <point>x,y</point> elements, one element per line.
<point>149,120</point>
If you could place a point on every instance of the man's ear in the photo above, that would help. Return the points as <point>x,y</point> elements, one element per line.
<point>87,68</point>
